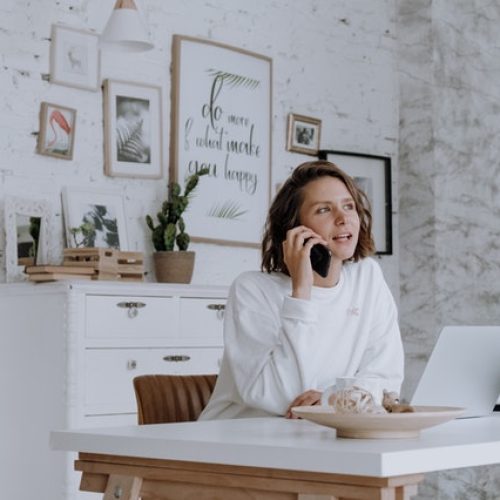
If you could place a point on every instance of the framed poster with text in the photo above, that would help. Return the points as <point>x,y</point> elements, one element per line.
<point>221,119</point>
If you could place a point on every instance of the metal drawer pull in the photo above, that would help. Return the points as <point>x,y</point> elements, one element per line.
<point>131,364</point>
<point>133,307</point>
<point>216,307</point>
<point>176,357</point>
<point>219,308</point>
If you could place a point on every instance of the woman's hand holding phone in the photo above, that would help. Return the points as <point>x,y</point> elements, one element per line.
<point>296,254</point>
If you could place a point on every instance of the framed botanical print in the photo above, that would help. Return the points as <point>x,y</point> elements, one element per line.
<point>132,130</point>
<point>94,218</point>
<point>74,57</point>
<point>221,120</point>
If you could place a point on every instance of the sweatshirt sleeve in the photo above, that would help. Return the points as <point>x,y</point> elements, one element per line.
<point>270,354</point>
<point>384,356</point>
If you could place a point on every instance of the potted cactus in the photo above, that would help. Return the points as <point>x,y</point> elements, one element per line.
<point>171,265</point>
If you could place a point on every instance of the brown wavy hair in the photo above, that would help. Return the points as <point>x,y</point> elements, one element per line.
<point>284,213</point>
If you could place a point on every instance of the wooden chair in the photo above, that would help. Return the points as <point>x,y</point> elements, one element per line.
<point>172,398</point>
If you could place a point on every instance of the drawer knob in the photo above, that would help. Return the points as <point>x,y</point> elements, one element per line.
<point>216,307</point>
<point>219,308</point>
<point>132,308</point>
<point>176,358</point>
<point>131,364</point>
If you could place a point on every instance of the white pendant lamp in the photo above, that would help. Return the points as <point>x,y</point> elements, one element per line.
<point>125,30</point>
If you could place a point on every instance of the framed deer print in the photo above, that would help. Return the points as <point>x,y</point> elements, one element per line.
<point>74,57</point>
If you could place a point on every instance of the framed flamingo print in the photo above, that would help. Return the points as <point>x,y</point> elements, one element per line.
<point>132,130</point>
<point>57,131</point>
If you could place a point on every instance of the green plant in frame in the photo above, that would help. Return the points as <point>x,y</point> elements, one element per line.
<point>131,139</point>
<point>96,222</point>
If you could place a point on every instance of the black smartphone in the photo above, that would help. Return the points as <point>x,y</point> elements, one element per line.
<point>320,259</point>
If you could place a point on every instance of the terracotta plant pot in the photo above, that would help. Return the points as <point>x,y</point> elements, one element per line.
<point>174,267</point>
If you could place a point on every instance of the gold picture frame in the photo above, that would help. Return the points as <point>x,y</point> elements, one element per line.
<point>303,134</point>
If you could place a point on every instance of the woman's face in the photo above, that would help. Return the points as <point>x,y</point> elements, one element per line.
<point>329,209</point>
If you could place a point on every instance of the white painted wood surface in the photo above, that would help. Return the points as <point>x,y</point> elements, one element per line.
<point>69,355</point>
<point>296,445</point>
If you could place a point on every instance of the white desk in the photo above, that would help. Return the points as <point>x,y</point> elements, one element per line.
<point>227,453</point>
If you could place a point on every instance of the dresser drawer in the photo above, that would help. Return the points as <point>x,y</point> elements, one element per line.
<point>126,317</point>
<point>109,373</point>
<point>202,318</point>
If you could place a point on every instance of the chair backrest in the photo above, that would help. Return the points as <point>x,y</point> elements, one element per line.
<point>172,398</point>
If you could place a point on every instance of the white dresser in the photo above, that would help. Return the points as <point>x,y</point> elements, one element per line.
<point>69,352</point>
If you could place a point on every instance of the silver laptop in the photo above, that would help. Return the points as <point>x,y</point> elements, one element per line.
<point>463,370</point>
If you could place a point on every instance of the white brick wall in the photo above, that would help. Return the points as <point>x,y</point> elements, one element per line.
<point>332,59</point>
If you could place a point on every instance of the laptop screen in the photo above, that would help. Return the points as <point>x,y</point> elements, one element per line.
<point>463,370</point>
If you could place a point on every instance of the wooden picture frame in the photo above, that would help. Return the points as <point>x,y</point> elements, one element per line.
<point>132,130</point>
<point>21,249</point>
<point>303,134</point>
<point>94,218</point>
<point>74,57</point>
<point>57,131</point>
<point>372,173</point>
<point>221,119</point>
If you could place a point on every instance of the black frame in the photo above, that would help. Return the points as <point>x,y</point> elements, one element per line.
<point>328,154</point>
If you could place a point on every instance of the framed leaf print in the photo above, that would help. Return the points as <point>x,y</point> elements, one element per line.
<point>132,130</point>
<point>94,218</point>
<point>221,119</point>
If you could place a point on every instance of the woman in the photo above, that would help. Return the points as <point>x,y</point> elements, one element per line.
<point>289,332</point>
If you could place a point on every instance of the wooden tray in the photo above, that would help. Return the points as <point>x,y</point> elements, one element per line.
<point>376,425</point>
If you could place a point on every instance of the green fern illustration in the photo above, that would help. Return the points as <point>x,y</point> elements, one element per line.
<point>227,210</point>
<point>234,80</point>
<point>129,143</point>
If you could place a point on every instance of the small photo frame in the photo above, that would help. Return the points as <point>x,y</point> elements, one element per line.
<point>132,130</point>
<point>57,131</point>
<point>303,134</point>
<point>26,235</point>
<point>372,174</point>
<point>74,58</point>
<point>94,219</point>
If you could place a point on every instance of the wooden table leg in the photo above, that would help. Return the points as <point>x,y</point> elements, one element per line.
<point>126,478</point>
<point>406,492</point>
<point>123,488</point>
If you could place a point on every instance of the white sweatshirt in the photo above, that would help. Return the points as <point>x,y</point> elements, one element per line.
<point>277,347</point>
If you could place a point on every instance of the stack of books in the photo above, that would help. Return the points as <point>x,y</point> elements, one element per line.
<point>42,274</point>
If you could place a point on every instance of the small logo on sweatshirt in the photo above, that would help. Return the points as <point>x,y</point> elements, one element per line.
<point>353,311</point>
